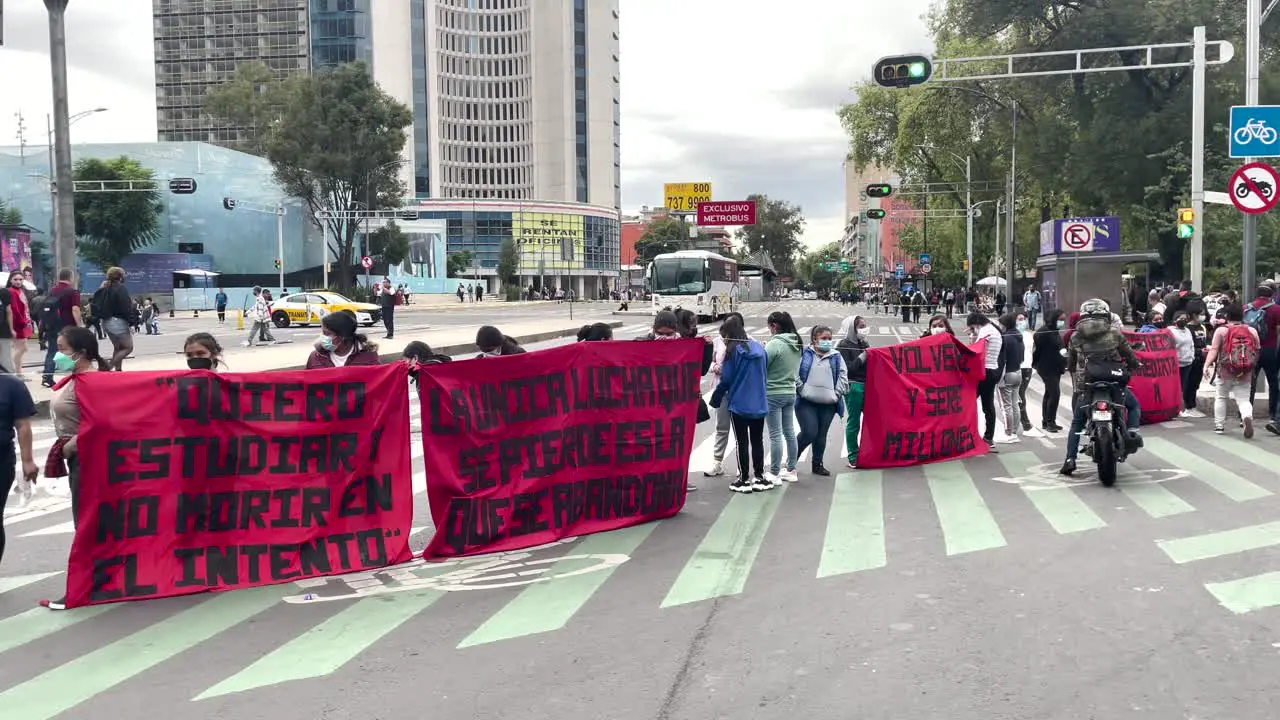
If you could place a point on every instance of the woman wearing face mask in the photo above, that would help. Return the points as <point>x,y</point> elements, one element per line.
<point>1200,341</point>
<point>77,354</point>
<point>821,383</point>
<point>666,326</point>
<point>1011,354</point>
<point>1049,364</point>
<point>724,423</point>
<point>742,388</point>
<point>1154,323</point>
<point>981,328</point>
<point>341,345</point>
<point>853,350</point>
<point>1184,342</point>
<point>938,324</point>
<point>23,328</point>
<point>1028,342</point>
<point>493,343</point>
<point>783,351</point>
<point>203,352</point>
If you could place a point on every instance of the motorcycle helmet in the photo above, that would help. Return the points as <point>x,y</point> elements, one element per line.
<point>1096,308</point>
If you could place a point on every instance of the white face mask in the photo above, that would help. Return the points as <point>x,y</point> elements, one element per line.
<point>937,331</point>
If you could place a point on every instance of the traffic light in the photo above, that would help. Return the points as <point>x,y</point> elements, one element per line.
<point>900,71</point>
<point>1186,223</point>
<point>966,265</point>
<point>879,190</point>
<point>875,214</point>
<point>278,263</point>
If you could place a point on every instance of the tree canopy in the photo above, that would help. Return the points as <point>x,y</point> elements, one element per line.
<point>663,235</point>
<point>111,225</point>
<point>389,244</point>
<point>333,138</point>
<point>779,225</point>
<point>1115,143</point>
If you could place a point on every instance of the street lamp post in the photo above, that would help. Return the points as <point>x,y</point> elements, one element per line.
<point>65,243</point>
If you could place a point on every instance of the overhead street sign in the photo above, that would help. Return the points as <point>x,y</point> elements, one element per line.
<point>926,268</point>
<point>836,266</point>
<point>924,258</point>
<point>737,212</point>
<point>1254,131</point>
<point>1077,237</point>
<point>366,262</point>
<point>182,186</point>
<point>1253,188</point>
<point>684,197</point>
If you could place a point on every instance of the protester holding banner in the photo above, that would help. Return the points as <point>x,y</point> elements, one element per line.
<point>938,324</point>
<point>493,343</point>
<point>853,349</point>
<point>743,379</point>
<point>77,354</point>
<point>821,384</point>
<point>982,330</point>
<point>203,352</point>
<point>340,345</point>
<point>1011,354</point>
<point>1233,355</point>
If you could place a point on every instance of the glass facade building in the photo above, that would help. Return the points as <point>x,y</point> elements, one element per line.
<point>340,33</point>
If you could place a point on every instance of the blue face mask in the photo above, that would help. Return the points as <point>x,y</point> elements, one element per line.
<point>824,345</point>
<point>326,343</point>
<point>1062,324</point>
<point>63,362</point>
<point>1022,324</point>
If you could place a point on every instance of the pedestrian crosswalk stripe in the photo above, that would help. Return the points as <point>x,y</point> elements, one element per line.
<point>333,643</point>
<point>723,560</point>
<point>882,330</point>
<point>1060,506</point>
<point>1247,594</point>
<point>855,537</point>
<point>1250,451</point>
<point>59,529</point>
<point>13,583</point>
<point>967,523</point>
<point>1155,499</point>
<point>74,682</point>
<point>1225,542</point>
<point>30,625</point>
<point>545,607</point>
<point>1215,476</point>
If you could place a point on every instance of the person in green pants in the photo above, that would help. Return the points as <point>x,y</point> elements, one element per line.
<point>852,348</point>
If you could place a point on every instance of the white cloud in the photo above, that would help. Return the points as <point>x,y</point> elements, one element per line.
<point>742,93</point>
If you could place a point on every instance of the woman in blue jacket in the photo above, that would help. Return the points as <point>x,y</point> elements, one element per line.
<point>742,379</point>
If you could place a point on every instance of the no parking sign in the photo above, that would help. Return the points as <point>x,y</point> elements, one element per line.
<point>1077,237</point>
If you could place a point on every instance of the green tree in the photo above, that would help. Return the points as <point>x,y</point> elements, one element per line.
<point>779,225</point>
<point>663,235</point>
<point>389,243</point>
<point>9,215</point>
<point>459,263</point>
<point>336,144</point>
<point>112,225</point>
<point>508,263</point>
<point>809,268</point>
<point>252,101</point>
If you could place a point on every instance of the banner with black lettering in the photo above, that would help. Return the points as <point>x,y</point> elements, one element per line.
<point>523,450</point>
<point>1157,383</point>
<point>920,403</point>
<point>195,481</point>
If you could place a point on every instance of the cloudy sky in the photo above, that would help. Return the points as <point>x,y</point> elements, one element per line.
<point>741,93</point>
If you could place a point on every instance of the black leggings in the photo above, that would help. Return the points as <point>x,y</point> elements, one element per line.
<point>987,394</point>
<point>7,475</point>
<point>748,433</point>
<point>1022,398</point>
<point>1052,396</point>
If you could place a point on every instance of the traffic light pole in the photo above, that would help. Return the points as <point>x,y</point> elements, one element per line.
<point>1197,158</point>
<point>277,210</point>
<point>1252,61</point>
<point>968,217</point>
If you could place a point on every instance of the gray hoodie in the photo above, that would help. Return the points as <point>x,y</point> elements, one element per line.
<point>821,388</point>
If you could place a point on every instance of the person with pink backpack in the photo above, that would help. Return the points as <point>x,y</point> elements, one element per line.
<point>1233,356</point>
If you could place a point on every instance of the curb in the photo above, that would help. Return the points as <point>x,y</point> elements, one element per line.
<point>42,406</point>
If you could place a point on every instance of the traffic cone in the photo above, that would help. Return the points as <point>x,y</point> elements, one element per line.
<point>239,319</point>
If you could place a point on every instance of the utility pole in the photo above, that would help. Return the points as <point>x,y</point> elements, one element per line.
<point>1013,195</point>
<point>1197,158</point>
<point>968,215</point>
<point>1252,61</point>
<point>65,243</point>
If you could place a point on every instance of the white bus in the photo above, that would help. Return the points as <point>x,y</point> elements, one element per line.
<point>696,280</point>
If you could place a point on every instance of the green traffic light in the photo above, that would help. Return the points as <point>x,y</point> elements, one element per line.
<point>917,69</point>
<point>1185,231</point>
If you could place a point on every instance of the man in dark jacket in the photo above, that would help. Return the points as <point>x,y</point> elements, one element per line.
<point>1095,340</point>
<point>853,350</point>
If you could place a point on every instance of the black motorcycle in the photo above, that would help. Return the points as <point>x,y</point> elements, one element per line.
<point>1107,436</point>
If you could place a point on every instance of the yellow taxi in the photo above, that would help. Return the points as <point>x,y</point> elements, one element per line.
<point>306,308</point>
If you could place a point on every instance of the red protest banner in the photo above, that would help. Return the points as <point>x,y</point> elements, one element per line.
<point>527,449</point>
<point>1156,384</point>
<point>196,481</point>
<point>920,404</point>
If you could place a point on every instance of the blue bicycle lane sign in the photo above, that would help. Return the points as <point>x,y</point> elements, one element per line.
<point>1255,131</point>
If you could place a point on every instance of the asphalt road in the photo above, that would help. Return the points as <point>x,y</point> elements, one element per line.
<point>978,589</point>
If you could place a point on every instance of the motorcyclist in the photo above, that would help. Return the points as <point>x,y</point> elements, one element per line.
<point>1096,340</point>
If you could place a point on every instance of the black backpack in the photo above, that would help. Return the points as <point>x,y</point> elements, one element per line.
<point>98,305</point>
<point>51,310</point>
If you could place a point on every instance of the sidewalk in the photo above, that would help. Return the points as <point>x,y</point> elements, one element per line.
<point>453,340</point>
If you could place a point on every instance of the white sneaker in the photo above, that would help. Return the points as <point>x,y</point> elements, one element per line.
<point>245,344</point>
<point>1008,440</point>
<point>774,480</point>
<point>788,475</point>
<point>717,469</point>
<point>1184,413</point>
<point>1194,414</point>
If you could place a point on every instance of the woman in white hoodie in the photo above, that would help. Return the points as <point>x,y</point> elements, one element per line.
<point>1028,342</point>
<point>724,422</point>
